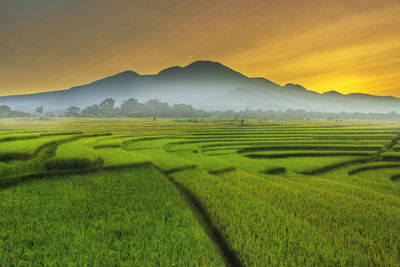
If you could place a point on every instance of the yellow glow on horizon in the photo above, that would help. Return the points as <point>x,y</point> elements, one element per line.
<point>346,46</point>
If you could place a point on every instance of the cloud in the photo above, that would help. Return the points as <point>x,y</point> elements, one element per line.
<point>345,45</point>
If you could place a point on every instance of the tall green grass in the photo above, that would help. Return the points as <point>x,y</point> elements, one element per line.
<point>118,158</point>
<point>72,155</point>
<point>210,164</point>
<point>268,214</point>
<point>373,166</point>
<point>286,199</point>
<point>260,234</point>
<point>167,162</point>
<point>132,217</point>
<point>25,149</point>
<point>307,153</point>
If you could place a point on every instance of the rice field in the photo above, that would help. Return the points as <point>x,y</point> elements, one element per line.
<point>129,192</point>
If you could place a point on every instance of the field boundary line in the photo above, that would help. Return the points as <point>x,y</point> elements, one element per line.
<point>230,257</point>
<point>224,170</point>
<point>331,167</point>
<point>376,167</point>
<point>395,177</point>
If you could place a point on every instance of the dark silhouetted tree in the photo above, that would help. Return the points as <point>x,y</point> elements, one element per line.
<point>183,110</point>
<point>72,111</point>
<point>107,107</point>
<point>5,111</point>
<point>91,111</point>
<point>132,108</point>
<point>155,107</point>
<point>39,110</point>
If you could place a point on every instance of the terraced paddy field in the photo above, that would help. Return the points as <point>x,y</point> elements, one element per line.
<point>133,192</point>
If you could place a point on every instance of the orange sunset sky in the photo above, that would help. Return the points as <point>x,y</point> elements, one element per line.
<point>343,45</point>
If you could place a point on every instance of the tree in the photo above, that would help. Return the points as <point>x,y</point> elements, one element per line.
<point>5,111</point>
<point>183,110</point>
<point>39,110</point>
<point>132,108</point>
<point>92,111</point>
<point>155,107</point>
<point>107,107</point>
<point>72,111</point>
<point>107,103</point>
<point>47,116</point>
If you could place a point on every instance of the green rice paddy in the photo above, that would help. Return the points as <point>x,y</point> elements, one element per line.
<point>133,192</point>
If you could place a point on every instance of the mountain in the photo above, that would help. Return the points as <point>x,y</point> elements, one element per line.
<point>204,84</point>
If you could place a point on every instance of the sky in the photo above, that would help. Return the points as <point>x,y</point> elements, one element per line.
<point>343,45</point>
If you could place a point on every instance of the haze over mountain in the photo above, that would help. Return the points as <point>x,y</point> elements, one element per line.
<point>204,84</point>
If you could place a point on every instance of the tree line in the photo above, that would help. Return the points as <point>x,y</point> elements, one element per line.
<point>133,108</point>
<point>156,108</point>
<point>7,112</point>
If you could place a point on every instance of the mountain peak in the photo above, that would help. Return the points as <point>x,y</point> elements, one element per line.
<point>128,74</point>
<point>169,70</point>
<point>295,86</point>
<point>205,64</point>
<point>122,77</point>
<point>202,68</point>
<point>197,83</point>
<point>333,93</point>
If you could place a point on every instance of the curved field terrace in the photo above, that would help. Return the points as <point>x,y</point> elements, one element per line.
<point>129,192</point>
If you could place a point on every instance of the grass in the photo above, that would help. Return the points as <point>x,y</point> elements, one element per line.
<point>334,164</point>
<point>306,153</point>
<point>301,165</point>
<point>391,156</point>
<point>270,212</point>
<point>72,155</point>
<point>373,166</point>
<point>333,147</point>
<point>165,193</point>
<point>116,157</point>
<point>146,144</point>
<point>260,234</point>
<point>117,218</point>
<point>31,135</point>
<point>25,149</point>
<point>396,147</point>
<point>119,140</point>
<point>167,162</point>
<point>210,164</point>
<point>381,174</point>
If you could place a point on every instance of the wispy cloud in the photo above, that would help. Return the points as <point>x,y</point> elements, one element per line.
<point>342,45</point>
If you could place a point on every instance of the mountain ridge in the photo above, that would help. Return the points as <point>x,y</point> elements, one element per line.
<point>206,84</point>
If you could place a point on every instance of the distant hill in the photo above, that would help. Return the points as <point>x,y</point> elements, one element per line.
<point>204,84</point>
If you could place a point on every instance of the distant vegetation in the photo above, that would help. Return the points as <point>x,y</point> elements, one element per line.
<point>155,108</point>
<point>7,112</point>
